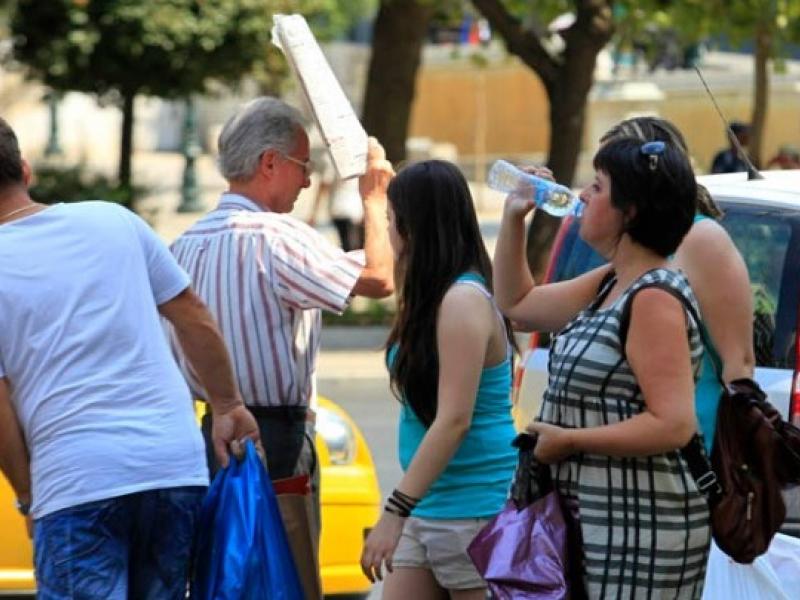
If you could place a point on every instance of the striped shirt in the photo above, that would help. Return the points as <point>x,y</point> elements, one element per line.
<point>265,277</point>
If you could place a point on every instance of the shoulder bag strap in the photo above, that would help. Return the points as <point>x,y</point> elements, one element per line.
<point>693,453</point>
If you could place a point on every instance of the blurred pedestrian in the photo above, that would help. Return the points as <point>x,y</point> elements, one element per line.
<point>788,157</point>
<point>266,276</point>
<point>719,279</point>
<point>614,417</point>
<point>731,159</point>
<point>97,432</point>
<point>346,212</point>
<point>449,357</point>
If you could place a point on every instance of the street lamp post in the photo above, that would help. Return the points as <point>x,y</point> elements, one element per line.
<point>190,201</point>
<point>53,147</point>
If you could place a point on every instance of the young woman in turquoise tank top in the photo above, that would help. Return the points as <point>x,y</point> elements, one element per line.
<point>449,359</point>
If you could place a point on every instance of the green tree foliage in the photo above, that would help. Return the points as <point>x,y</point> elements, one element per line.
<point>765,26</point>
<point>118,49</point>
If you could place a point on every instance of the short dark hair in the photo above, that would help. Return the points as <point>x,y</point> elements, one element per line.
<point>10,157</point>
<point>651,129</point>
<point>656,191</point>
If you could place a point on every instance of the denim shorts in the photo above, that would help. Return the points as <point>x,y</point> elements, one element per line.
<point>132,546</point>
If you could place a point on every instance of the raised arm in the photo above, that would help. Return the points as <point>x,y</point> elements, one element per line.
<point>535,307</point>
<point>720,281</point>
<point>377,278</point>
<point>204,347</point>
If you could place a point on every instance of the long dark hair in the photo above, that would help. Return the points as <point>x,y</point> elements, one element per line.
<point>436,221</point>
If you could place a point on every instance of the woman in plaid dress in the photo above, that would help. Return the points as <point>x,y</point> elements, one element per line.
<point>615,416</point>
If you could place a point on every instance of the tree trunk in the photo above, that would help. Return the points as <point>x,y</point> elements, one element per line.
<point>568,95</point>
<point>126,146</point>
<point>763,52</point>
<point>400,29</point>
<point>567,80</point>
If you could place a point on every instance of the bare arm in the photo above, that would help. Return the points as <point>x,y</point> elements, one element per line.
<point>720,281</point>
<point>664,373</point>
<point>377,278</point>
<point>534,307</point>
<point>205,350</point>
<point>462,345</point>
<point>14,460</point>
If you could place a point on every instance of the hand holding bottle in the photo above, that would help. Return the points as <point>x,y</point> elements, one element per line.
<point>536,187</point>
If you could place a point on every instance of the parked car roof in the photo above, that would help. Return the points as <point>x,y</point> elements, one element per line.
<point>778,189</point>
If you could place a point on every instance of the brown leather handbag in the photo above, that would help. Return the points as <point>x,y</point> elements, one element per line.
<point>756,454</point>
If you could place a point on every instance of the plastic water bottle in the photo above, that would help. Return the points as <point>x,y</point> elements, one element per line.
<point>553,198</point>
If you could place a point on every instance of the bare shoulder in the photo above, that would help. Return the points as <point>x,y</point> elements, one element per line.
<point>462,297</point>
<point>652,300</point>
<point>465,306</point>
<point>706,249</point>
<point>703,237</point>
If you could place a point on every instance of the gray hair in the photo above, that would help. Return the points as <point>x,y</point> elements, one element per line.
<point>260,125</point>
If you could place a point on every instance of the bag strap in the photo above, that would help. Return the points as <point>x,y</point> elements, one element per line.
<point>625,321</point>
<point>693,453</point>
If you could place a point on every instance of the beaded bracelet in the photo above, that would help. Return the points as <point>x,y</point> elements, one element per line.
<point>400,504</point>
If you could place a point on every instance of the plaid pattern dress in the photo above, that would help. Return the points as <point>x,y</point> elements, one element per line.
<point>645,526</point>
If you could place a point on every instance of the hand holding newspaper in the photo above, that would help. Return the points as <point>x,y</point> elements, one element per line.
<point>337,122</point>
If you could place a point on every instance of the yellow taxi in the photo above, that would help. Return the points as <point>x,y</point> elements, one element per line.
<point>350,507</point>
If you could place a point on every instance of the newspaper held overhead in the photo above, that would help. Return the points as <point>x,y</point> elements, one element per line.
<point>337,122</point>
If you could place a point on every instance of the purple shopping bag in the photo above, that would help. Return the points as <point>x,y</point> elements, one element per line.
<point>524,552</point>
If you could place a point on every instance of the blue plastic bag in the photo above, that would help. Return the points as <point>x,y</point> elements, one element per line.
<point>242,549</point>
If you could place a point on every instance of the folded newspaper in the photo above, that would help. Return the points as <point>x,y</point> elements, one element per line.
<point>337,122</point>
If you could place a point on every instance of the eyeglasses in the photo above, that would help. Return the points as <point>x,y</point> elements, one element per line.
<point>308,165</point>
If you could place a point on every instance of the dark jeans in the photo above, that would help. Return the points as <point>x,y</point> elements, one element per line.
<point>132,546</point>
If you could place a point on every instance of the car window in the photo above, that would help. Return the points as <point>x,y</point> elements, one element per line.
<point>576,257</point>
<point>764,240</point>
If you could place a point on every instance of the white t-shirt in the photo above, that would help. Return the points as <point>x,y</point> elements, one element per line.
<point>103,406</point>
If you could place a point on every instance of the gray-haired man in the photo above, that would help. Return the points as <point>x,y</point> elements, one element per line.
<point>266,275</point>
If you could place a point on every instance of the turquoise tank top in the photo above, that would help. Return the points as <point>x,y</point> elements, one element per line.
<point>707,389</point>
<point>475,482</point>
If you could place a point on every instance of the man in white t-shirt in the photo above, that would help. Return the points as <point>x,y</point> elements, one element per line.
<point>97,431</point>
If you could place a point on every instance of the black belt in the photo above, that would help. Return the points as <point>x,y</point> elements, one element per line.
<point>279,413</point>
